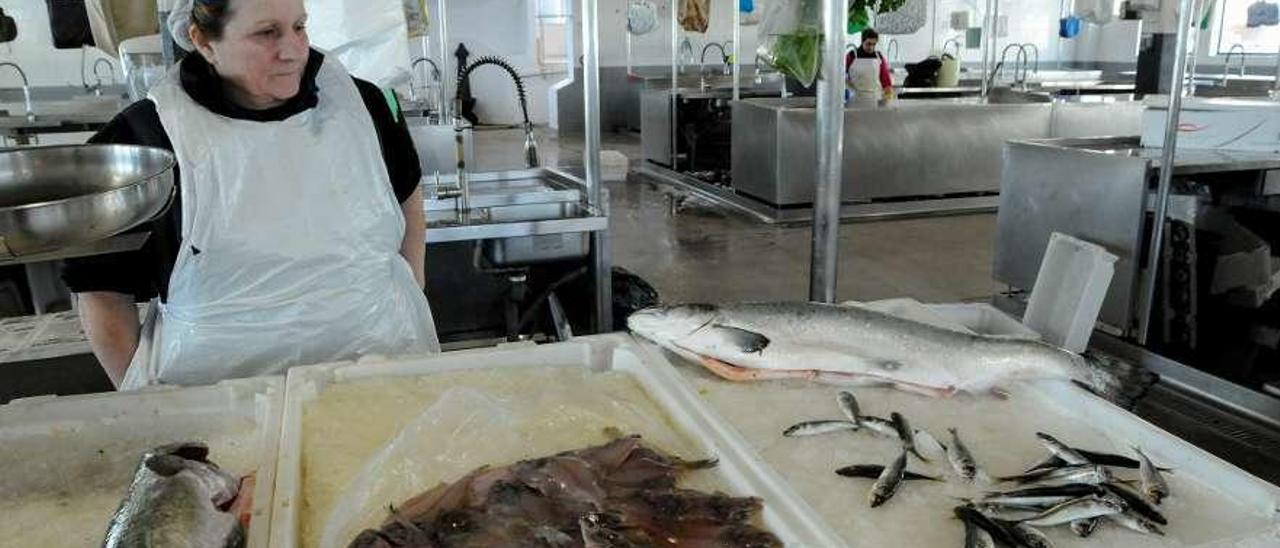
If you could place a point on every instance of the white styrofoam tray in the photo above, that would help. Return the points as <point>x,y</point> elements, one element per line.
<point>785,514</point>
<point>97,439</point>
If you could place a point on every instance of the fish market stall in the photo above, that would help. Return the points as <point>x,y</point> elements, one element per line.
<point>68,461</point>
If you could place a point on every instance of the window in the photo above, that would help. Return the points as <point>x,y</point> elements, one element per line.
<point>553,20</point>
<point>1234,20</point>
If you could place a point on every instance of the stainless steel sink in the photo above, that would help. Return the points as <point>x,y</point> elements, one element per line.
<point>519,217</point>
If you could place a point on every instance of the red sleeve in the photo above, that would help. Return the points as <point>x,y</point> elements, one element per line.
<point>848,61</point>
<point>886,79</point>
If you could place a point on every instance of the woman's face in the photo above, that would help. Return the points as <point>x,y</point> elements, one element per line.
<point>262,52</point>
<point>869,45</point>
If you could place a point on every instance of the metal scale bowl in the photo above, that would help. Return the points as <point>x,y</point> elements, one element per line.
<point>53,198</point>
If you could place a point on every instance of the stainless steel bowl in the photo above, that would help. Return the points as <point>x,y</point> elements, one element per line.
<point>57,197</point>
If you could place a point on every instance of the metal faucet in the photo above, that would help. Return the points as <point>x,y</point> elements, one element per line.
<point>892,50</point>
<point>26,90</point>
<point>948,43</point>
<point>1019,59</point>
<point>111,70</point>
<point>435,75</point>
<point>702,63</point>
<point>530,143</point>
<point>1034,49</point>
<point>685,56</point>
<point>1226,68</point>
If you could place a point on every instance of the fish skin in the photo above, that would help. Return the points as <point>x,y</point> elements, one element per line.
<point>1104,459</point>
<point>889,481</point>
<point>1134,522</point>
<point>1029,536</point>
<point>816,428</point>
<point>862,347</point>
<point>880,426</point>
<point>1062,450</point>
<point>596,534</point>
<point>977,537</point>
<point>906,434</point>
<point>1084,528</point>
<point>1153,485</point>
<point>1137,504</point>
<point>849,406</point>
<point>873,471</point>
<point>968,514</point>
<point>1081,508</point>
<point>1086,473</point>
<point>175,500</point>
<point>1045,495</point>
<point>961,459</point>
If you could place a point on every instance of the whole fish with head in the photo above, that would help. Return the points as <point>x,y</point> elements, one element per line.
<point>854,346</point>
<point>1153,484</point>
<point>817,428</point>
<point>890,479</point>
<point>1104,459</point>
<point>1061,450</point>
<point>1083,473</point>
<point>849,406</point>
<point>1051,495</point>
<point>977,537</point>
<point>972,516</point>
<point>1072,510</point>
<point>1084,528</point>
<point>178,498</point>
<point>880,426</point>
<point>873,471</point>
<point>961,459</point>
<point>906,434</point>
<point>1136,503</point>
<point>1134,522</point>
<point>1030,537</point>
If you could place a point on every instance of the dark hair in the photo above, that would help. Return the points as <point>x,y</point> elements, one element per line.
<point>867,33</point>
<point>210,16</point>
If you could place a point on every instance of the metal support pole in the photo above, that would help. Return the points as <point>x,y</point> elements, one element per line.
<point>988,28</point>
<point>1156,249</point>
<point>823,270</point>
<point>450,77</point>
<point>675,83</point>
<point>600,265</point>
<point>737,41</point>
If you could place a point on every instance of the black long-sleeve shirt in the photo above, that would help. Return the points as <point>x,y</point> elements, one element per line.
<point>145,273</point>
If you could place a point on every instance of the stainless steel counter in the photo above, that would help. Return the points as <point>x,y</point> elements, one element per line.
<point>514,204</point>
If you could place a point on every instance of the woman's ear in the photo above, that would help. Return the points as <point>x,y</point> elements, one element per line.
<point>202,45</point>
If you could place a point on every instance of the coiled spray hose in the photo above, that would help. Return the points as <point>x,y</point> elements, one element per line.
<point>530,145</point>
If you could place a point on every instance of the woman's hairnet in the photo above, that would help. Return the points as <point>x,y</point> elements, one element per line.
<point>180,22</point>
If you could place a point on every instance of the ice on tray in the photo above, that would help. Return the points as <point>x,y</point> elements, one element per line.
<point>1001,434</point>
<point>374,442</point>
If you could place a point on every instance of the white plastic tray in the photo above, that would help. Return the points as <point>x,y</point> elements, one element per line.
<point>785,514</point>
<point>97,440</point>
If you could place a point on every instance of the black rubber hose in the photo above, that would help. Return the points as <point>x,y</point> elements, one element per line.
<point>504,65</point>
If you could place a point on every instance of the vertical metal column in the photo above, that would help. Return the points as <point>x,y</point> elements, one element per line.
<point>449,77</point>
<point>1156,248</point>
<point>601,265</point>
<point>823,271</point>
<point>737,47</point>
<point>675,82</point>
<point>988,28</point>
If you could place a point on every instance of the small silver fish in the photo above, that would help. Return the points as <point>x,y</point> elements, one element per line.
<point>1153,484</point>
<point>873,471</point>
<point>906,434</point>
<point>177,499</point>
<point>815,428</point>
<point>849,406</point>
<point>1061,450</point>
<point>1081,508</point>
<point>1051,495</point>
<point>880,426</point>
<point>960,457</point>
<point>1086,473</point>
<point>977,537</point>
<point>1136,503</point>
<point>1130,520</point>
<point>889,481</point>
<point>1029,536</point>
<point>1084,528</point>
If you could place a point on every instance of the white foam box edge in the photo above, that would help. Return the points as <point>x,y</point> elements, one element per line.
<point>785,513</point>
<point>265,394</point>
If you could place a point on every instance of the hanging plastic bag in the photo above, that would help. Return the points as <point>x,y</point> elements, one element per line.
<point>1263,14</point>
<point>642,17</point>
<point>695,15</point>
<point>368,36</point>
<point>415,14</point>
<point>1069,27</point>
<point>790,38</point>
<point>751,18</point>
<point>908,19</point>
<point>746,6</point>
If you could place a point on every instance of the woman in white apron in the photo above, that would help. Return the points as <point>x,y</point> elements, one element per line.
<point>296,246</point>
<point>868,74</point>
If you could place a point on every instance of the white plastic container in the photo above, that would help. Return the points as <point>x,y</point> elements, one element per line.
<point>984,319</point>
<point>68,461</point>
<point>1072,283</point>
<point>785,514</point>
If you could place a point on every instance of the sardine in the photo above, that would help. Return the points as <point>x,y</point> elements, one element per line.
<point>906,434</point>
<point>1136,503</point>
<point>1061,450</point>
<point>873,471</point>
<point>1084,528</point>
<point>880,426</point>
<point>1000,533</point>
<point>815,428</point>
<point>1081,508</point>
<point>889,481</point>
<point>849,406</point>
<point>960,457</point>
<point>178,498</point>
<point>1030,537</point>
<point>1045,495</point>
<point>1153,484</point>
<point>977,537</point>
<point>1085,473</point>
<point>854,346</point>
<point>1104,459</point>
<point>1132,521</point>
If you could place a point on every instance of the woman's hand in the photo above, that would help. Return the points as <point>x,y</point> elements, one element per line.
<point>414,247</point>
<point>111,322</point>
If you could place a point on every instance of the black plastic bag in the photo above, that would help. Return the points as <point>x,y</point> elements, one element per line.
<point>8,28</point>
<point>69,21</point>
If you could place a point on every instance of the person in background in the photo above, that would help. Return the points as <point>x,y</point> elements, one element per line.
<point>867,72</point>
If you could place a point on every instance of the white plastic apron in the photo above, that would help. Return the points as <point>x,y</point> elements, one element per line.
<point>291,244</point>
<point>864,74</point>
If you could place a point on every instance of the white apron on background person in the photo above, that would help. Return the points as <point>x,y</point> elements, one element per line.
<point>291,244</point>
<point>864,75</point>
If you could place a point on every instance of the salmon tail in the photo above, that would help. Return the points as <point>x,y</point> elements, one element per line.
<point>1113,379</point>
